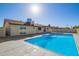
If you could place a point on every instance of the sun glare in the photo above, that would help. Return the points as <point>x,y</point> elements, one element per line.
<point>35,9</point>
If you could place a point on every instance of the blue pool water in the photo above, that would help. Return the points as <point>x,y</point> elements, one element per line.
<point>60,43</point>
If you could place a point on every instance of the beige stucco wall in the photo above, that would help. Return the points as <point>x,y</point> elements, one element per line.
<point>49,30</point>
<point>77,31</point>
<point>15,30</point>
<point>2,32</point>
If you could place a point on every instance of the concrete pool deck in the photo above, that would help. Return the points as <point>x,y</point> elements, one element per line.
<point>21,48</point>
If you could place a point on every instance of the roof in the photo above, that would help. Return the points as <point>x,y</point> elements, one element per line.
<point>26,25</point>
<point>13,21</point>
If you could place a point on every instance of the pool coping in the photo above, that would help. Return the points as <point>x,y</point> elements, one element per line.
<point>44,50</point>
<point>76,39</point>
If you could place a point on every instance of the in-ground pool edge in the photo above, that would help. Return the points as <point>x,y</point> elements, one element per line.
<point>76,39</point>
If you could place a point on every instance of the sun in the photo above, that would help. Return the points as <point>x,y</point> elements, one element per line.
<point>35,9</point>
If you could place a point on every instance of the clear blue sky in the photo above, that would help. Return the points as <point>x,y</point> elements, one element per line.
<point>54,14</point>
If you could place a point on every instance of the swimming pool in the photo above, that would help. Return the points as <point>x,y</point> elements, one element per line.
<point>60,43</point>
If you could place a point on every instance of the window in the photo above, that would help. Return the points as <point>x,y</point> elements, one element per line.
<point>22,27</point>
<point>39,28</point>
<point>44,30</point>
<point>22,32</point>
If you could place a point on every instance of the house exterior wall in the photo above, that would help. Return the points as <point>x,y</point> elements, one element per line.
<point>16,30</point>
<point>49,29</point>
<point>2,32</point>
<point>77,31</point>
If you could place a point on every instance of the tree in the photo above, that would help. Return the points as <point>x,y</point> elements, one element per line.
<point>67,27</point>
<point>75,27</point>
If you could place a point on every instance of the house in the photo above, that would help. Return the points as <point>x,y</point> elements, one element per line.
<point>7,22</point>
<point>14,27</point>
<point>22,28</point>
